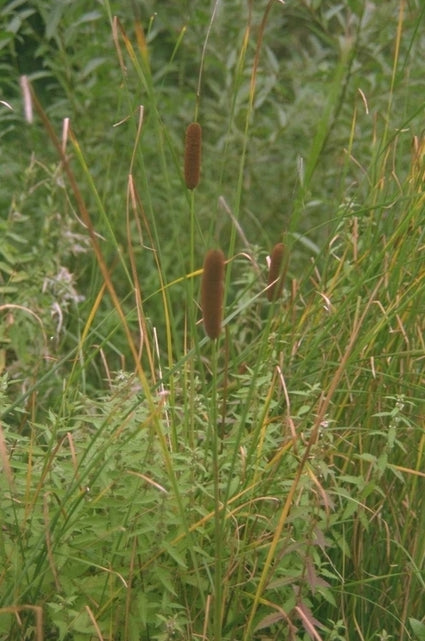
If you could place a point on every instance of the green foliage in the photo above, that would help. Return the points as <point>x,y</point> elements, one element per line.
<point>157,485</point>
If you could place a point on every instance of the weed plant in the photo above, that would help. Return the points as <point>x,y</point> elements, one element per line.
<point>263,479</point>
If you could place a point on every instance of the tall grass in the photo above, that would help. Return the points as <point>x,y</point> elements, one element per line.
<point>265,480</point>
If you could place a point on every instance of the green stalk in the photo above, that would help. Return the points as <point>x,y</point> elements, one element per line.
<point>218,512</point>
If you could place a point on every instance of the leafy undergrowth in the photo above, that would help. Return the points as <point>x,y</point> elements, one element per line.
<point>158,485</point>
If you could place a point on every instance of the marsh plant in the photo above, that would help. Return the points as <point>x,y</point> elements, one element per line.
<point>212,369</point>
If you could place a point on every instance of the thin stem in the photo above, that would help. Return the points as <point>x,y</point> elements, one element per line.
<point>214,440</point>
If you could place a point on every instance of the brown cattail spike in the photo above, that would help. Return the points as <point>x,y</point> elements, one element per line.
<point>276,272</point>
<point>192,155</point>
<point>212,292</point>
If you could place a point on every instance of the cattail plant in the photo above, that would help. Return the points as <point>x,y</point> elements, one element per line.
<point>212,292</point>
<point>276,272</point>
<point>192,155</point>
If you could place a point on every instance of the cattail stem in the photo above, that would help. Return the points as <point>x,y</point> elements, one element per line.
<point>219,516</point>
<point>212,292</point>
<point>277,271</point>
<point>192,155</point>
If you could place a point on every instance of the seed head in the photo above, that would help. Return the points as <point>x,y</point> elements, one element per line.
<point>276,272</point>
<point>212,292</point>
<point>192,155</point>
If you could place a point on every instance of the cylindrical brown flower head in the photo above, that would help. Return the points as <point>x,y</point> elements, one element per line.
<point>276,272</point>
<point>192,155</point>
<point>212,292</point>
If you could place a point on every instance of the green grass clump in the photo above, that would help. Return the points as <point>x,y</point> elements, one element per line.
<point>267,484</point>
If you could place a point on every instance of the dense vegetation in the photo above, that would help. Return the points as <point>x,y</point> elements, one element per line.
<point>158,485</point>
